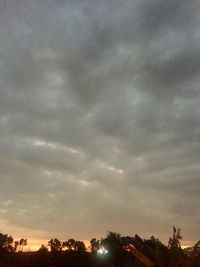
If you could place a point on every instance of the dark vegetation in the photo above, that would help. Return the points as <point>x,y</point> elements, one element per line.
<point>122,251</point>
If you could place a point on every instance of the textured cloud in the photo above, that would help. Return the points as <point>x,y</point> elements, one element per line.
<point>99,117</point>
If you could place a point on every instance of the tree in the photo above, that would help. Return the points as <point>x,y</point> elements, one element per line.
<point>22,244</point>
<point>16,245</point>
<point>80,247</point>
<point>55,245</point>
<point>175,250</point>
<point>194,254</point>
<point>157,251</point>
<point>43,249</point>
<point>94,244</point>
<point>70,244</point>
<point>74,245</point>
<point>112,243</point>
<point>126,241</point>
<point>6,243</point>
<point>19,245</point>
<point>174,242</point>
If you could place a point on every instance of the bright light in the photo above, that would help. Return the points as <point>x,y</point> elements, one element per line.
<point>102,250</point>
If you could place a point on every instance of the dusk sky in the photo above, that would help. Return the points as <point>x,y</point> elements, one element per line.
<point>99,118</point>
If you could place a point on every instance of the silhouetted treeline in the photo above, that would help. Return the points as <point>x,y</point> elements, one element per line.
<point>112,251</point>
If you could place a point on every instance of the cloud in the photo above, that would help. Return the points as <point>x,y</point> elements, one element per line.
<point>99,117</point>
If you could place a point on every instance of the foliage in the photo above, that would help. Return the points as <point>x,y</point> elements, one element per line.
<point>6,242</point>
<point>73,253</point>
<point>43,249</point>
<point>55,245</point>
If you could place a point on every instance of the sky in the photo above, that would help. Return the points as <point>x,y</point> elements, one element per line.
<point>99,118</point>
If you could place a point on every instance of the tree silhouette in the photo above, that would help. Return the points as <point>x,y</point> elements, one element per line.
<point>16,245</point>
<point>175,250</point>
<point>174,241</point>
<point>70,244</point>
<point>94,244</point>
<point>22,244</point>
<point>73,245</point>
<point>123,251</point>
<point>55,245</point>
<point>43,249</point>
<point>157,251</point>
<point>6,243</point>
<point>194,254</point>
<point>80,247</point>
<point>114,246</point>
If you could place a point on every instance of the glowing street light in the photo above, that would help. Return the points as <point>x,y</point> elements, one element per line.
<point>102,251</point>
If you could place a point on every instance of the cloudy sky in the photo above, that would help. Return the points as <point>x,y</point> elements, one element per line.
<point>99,118</point>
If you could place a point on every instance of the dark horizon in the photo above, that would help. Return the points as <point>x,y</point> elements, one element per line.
<point>114,250</point>
<point>36,246</point>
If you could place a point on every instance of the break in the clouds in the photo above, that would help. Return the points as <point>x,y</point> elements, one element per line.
<point>99,117</point>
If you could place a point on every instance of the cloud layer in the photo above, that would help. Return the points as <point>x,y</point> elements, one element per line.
<point>99,117</point>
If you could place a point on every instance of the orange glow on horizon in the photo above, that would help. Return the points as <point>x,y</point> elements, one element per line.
<point>34,245</point>
<point>35,242</point>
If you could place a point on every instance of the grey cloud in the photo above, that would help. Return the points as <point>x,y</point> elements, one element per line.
<point>168,14</point>
<point>99,116</point>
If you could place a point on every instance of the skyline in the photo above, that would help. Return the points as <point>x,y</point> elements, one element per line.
<point>99,118</point>
<point>36,244</point>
